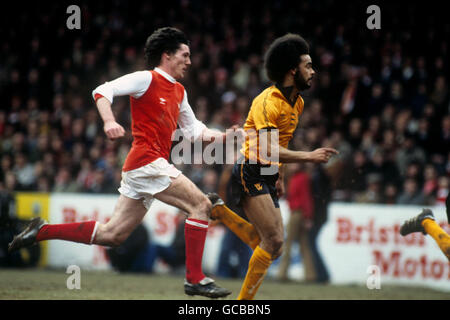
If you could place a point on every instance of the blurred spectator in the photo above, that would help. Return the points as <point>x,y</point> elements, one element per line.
<point>300,222</point>
<point>443,139</point>
<point>390,194</point>
<point>439,95</point>
<point>140,254</point>
<point>100,183</point>
<point>355,173</point>
<point>407,153</point>
<point>209,181</point>
<point>64,181</point>
<point>430,184</point>
<point>321,191</point>
<point>442,190</point>
<point>373,193</point>
<point>24,172</point>
<point>411,194</point>
<point>423,136</point>
<point>382,166</point>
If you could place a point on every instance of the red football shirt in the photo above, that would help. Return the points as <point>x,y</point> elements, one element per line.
<point>158,103</point>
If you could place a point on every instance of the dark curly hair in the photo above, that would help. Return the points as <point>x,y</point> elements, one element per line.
<point>284,55</point>
<point>167,39</point>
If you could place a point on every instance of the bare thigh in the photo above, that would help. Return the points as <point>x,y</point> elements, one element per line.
<point>185,195</point>
<point>267,221</point>
<point>128,214</point>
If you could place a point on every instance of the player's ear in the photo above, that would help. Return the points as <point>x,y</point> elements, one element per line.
<point>166,54</point>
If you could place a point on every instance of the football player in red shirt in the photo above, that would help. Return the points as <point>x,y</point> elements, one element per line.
<point>158,104</point>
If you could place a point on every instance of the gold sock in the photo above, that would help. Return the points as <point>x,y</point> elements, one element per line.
<point>438,234</point>
<point>257,268</point>
<point>239,226</point>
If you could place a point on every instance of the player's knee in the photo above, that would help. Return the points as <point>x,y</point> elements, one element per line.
<point>113,238</point>
<point>117,239</point>
<point>202,208</point>
<point>278,252</point>
<point>275,242</point>
<point>206,205</point>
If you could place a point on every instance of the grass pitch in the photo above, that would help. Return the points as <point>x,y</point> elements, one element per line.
<point>41,284</point>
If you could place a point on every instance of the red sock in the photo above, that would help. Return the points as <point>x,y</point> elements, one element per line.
<point>195,236</point>
<point>82,232</point>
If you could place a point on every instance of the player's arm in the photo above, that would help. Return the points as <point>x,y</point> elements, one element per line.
<point>269,142</point>
<point>213,135</point>
<point>193,129</point>
<point>112,129</point>
<point>133,84</point>
<point>266,118</point>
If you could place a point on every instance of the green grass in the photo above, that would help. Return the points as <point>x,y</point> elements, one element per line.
<point>44,284</point>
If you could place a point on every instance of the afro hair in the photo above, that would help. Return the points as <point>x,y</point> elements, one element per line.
<point>284,55</point>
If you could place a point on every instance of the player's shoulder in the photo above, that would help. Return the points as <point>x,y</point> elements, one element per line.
<point>269,97</point>
<point>159,75</point>
<point>300,104</point>
<point>144,76</point>
<point>142,73</point>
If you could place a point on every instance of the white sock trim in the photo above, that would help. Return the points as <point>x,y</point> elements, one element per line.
<point>94,232</point>
<point>197,224</point>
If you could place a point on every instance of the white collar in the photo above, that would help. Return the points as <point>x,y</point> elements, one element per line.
<point>165,75</point>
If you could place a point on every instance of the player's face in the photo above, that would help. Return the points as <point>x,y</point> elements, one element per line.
<point>305,73</point>
<point>180,61</point>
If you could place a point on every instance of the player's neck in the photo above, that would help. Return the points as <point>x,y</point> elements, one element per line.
<point>287,83</point>
<point>167,70</point>
<point>290,93</point>
<point>294,94</point>
<point>166,74</point>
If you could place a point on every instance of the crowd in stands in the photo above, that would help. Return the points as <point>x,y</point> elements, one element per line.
<point>381,97</point>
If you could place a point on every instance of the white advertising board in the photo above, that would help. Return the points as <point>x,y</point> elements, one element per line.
<point>357,237</point>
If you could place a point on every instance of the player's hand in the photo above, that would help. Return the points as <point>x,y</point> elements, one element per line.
<point>113,130</point>
<point>322,155</point>
<point>279,185</point>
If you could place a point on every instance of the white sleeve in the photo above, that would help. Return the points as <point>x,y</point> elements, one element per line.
<point>133,84</point>
<point>190,126</point>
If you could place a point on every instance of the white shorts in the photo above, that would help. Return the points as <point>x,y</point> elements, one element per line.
<point>145,182</point>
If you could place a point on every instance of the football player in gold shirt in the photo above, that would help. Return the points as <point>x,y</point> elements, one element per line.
<point>257,177</point>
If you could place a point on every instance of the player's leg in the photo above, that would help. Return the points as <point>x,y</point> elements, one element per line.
<point>184,194</point>
<point>239,226</point>
<point>243,229</point>
<point>128,213</point>
<point>292,234</point>
<point>425,223</point>
<point>438,234</point>
<point>268,222</point>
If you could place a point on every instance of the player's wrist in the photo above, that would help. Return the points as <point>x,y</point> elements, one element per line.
<point>109,121</point>
<point>305,156</point>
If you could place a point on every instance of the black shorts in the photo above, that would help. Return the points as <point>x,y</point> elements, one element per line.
<point>247,180</point>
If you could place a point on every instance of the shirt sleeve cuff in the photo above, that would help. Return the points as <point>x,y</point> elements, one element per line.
<point>97,96</point>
